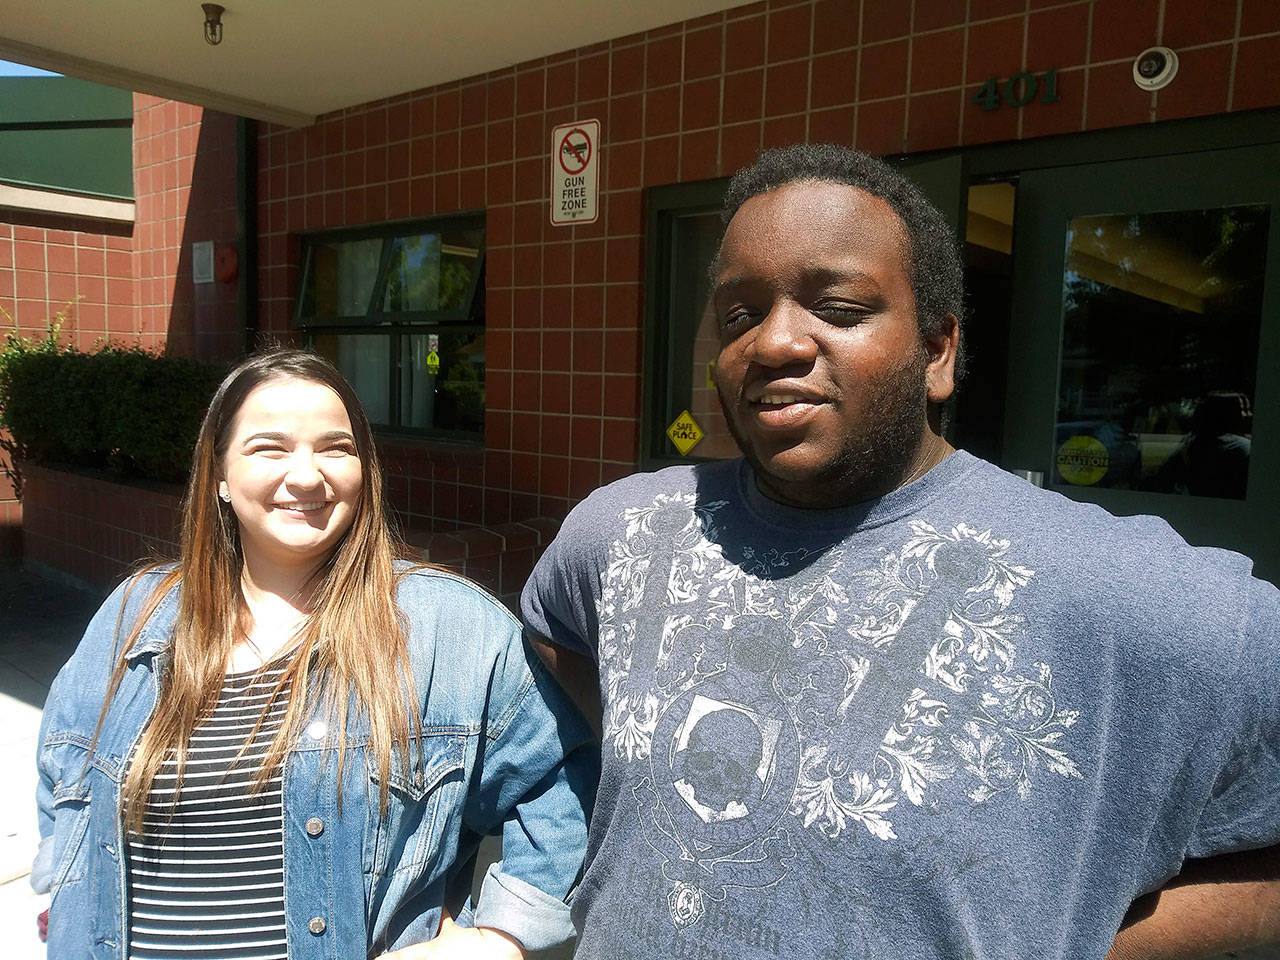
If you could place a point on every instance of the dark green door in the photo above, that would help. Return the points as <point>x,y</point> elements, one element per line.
<point>1143,371</point>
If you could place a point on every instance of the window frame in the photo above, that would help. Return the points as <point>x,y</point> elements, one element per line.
<point>395,325</point>
<point>664,206</point>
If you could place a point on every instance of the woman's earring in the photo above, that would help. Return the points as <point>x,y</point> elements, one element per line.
<point>225,495</point>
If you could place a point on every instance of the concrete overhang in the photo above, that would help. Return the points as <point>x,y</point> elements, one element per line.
<point>288,61</point>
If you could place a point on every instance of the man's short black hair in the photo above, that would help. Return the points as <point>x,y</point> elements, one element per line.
<point>933,259</point>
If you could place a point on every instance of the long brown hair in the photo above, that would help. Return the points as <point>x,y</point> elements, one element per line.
<point>352,643</point>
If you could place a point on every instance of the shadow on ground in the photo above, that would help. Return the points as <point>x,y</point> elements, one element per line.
<point>41,623</point>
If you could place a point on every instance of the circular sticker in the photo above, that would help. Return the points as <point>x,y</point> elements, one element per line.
<point>1083,460</point>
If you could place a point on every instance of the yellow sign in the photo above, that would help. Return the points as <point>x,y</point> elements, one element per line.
<point>684,433</point>
<point>1083,460</point>
<point>433,362</point>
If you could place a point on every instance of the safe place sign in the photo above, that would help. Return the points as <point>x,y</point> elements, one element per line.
<point>575,160</point>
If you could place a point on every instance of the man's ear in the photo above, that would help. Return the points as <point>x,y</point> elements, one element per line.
<point>942,346</point>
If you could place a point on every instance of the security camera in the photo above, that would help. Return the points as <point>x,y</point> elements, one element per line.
<point>1154,68</point>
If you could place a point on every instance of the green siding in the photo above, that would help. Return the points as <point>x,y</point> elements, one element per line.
<point>57,133</point>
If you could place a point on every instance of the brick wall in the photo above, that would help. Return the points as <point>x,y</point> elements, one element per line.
<point>686,102</point>
<point>131,285</point>
<point>94,529</point>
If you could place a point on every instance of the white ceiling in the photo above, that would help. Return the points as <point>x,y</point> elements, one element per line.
<point>288,61</point>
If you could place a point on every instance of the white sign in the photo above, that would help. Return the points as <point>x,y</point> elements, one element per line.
<point>575,162</point>
<point>202,261</point>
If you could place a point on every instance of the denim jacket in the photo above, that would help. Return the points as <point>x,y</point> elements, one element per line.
<point>502,750</point>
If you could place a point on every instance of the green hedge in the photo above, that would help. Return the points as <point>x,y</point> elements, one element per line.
<point>127,411</point>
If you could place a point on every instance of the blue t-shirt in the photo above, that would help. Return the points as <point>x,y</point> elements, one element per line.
<point>970,718</point>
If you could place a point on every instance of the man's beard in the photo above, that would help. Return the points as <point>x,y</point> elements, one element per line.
<point>873,462</point>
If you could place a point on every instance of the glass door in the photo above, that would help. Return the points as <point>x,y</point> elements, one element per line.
<point>1145,326</point>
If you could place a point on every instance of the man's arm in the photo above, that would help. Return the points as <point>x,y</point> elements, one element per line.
<point>577,675</point>
<point>1215,905</point>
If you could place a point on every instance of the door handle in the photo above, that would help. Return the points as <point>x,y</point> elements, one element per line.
<point>1034,477</point>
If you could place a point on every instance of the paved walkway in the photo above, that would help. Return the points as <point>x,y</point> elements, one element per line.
<point>39,627</point>
<point>40,623</point>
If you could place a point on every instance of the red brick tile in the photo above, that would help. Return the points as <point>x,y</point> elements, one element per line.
<point>528,222</point>
<point>885,20</point>
<point>1200,88</point>
<point>622,305</point>
<point>555,385</point>
<point>530,136</point>
<point>422,201</point>
<point>936,60</point>
<point>498,182</point>
<point>557,263</point>
<point>62,259</point>
<point>447,192</point>
<point>701,104</point>
<point>1122,29</point>
<point>626,70</point>
<point>500,266</point>
<point>936,14</point>
<point>588,306</point>
<point>588,261</point>
<point>1065,115</point>
<point>557,306</point>
<point>623,165</point>
<point>987,126</point>
<point>1259,16</point>
<point>988,9</point>
<point>880,126</point>
<point>933,120</point>
<point>624,214</point>
<point>883,71</point>
<point>663,61</point>
<point>593,76</point>
<point>501,98</point>
<point>789,33</point>
<point>832,126</point>
<point>531,179</point>
<point>786,88</point>
<point>528,266</point>
<point>618,441</point>
<point>621,396</point>
<point>1255,84</point>
<point>743,96</point>
<point>584,441</point>
<point>588,393</point>
<point>500,140</point>
<point>448,110</point>
<point>1114,100</point>
<point>1057,37</point>
<point>835,25</point>
<point>702,53</point>
<point>622,262</point>
<point>1192,22</point>
<point>833,79</point>
<point>783,131</point>
<point>530,91</point>
<point>562,84</point>
<point>698,160</point>
<point>744,43</point>
<point>995,50</point>
<point>661,111</point>
<point>739,145</point>
<point>626,118</point>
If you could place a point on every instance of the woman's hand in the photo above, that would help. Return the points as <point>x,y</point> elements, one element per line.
<point>464,943</point>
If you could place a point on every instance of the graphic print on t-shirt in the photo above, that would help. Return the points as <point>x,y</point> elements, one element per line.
<point>775,692</point>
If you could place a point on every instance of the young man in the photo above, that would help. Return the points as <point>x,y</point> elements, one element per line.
<point>865,695</point>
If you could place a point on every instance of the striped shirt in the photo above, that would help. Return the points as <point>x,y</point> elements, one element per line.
<point>206,876</point>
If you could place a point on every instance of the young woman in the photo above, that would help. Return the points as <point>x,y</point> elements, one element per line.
<point>287,744</point>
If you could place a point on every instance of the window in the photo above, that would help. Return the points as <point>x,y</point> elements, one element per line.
<point>399,309</point>
<point>682,341</point>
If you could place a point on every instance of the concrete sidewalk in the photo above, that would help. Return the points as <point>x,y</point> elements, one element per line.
<point>40,624</point>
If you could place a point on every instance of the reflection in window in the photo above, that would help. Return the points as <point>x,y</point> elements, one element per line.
<point>400,311</point>
<point>690,342</point>
<point>1160,350</point>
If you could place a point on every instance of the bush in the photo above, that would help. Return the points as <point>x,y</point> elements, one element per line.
<point>132,413</point>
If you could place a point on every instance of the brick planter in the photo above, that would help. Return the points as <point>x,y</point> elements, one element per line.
<point>95,530</point>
